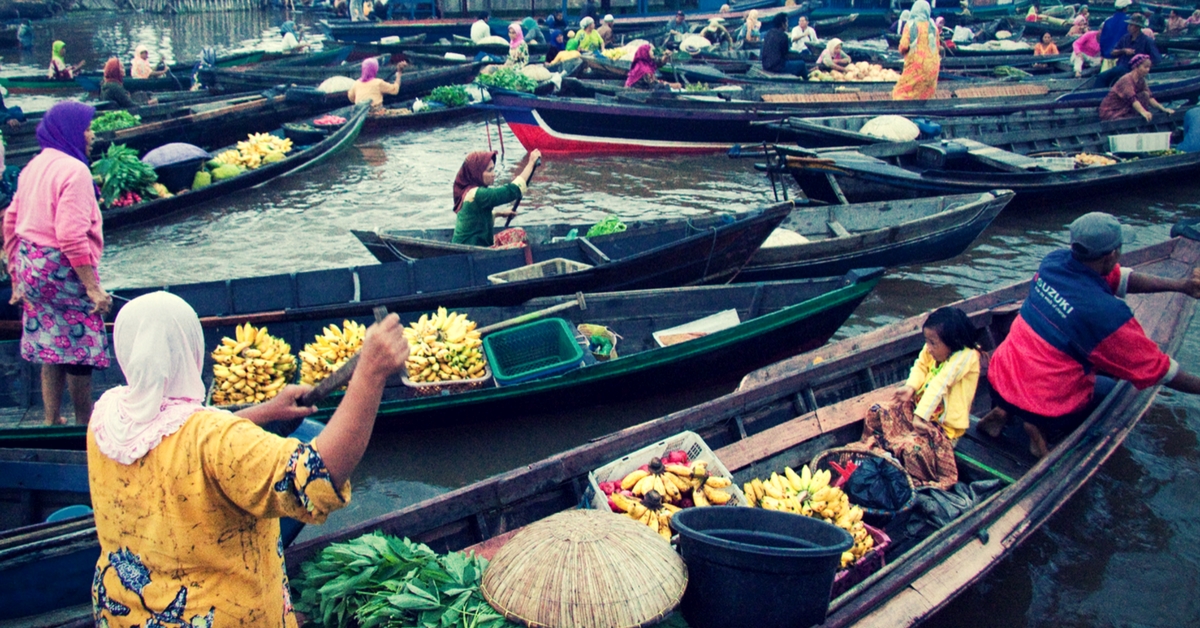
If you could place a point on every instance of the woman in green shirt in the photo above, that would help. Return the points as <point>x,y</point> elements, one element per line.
<point>478,204</point>
<point>589,39</point>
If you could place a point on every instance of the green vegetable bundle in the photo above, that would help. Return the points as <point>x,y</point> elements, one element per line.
<point>612,224</point>
<point>113,120</point>
<point>379,580</point>
<point>507,78</point>
<point>121,171</point>
<point>450,95</point>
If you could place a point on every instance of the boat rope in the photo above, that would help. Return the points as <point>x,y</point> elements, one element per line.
<point>711,247</point>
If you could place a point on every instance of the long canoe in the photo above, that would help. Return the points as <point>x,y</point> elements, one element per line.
<point>180,77</point>
<point>297,160</point>
<point>840,238</point>
<point>903,169</point>
<point>787,413</point>
<point>421,78</point>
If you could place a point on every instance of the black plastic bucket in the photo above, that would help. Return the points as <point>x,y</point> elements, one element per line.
<point>755,567</point>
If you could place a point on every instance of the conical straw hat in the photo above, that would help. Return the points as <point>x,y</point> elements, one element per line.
<point>585,569</point>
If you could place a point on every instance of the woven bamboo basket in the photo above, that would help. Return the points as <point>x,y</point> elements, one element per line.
<point>842,455</point>
<point>585,569</point>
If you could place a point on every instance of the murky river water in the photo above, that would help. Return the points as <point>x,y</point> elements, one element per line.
<point>1124,550</point>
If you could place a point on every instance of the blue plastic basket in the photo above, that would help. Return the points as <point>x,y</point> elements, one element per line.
<point>538,349</point>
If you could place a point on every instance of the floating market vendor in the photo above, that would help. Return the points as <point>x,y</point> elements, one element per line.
<point>1075,333</point>
<point>677,27</point>
<point>478,204</point>
<point>518,50</point>
<point>59,68</point>
<point>833,58</point>
<point>555,43</point>
<point>932,409</point>
<point>606,29</point>
<point>1135,42</point>
<point>12,116</point>
<point>480,30</point>
<point>1175,24</point>
<point>112,88</point>
<point>643,72</point>
<point>750,33</point>
<point>1046,47</point>
<point>1131,96</point>
<point>775,50</point>
<point>53,243</point>
<point>587,39</point>
<point>188,498</point>
<point>1111,32</point>
<point>1085,49</point>
<point>1080,25</point>
<point>803,35</point>
<point>533,32</point>
<point>717,34</point>
<point>370,88</point>
<point>140,67</point>
<point>919,45</point>
<point>291,37</point>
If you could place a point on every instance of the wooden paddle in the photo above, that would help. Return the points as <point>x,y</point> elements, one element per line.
<point>338,378</point>
<point>518,203</point>
<point>525,318</point>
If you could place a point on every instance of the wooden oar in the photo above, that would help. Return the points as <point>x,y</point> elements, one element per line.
<point>525,318</point>
<point>518,203</point>
<point>338,378</point>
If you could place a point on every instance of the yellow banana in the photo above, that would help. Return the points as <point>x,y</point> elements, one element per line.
<point>633,478</point>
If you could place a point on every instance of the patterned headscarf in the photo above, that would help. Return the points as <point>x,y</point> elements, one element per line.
<point>370,68</point>
<point>1138,58</point>
<point>160,347</point>
<point>63,126</point>
<point>470,174</point>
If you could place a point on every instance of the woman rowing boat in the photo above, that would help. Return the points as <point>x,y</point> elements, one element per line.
<point>478,205</point>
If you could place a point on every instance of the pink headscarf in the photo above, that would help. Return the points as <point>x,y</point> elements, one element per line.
<point>642,65</point>
<point>160,347</point>
<point>515,40</point>
<point>370,68</point>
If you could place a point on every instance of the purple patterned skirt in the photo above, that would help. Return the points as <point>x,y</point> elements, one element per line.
<point>58,328</point>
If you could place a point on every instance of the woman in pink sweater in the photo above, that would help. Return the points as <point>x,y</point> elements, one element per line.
<point>53,243</point>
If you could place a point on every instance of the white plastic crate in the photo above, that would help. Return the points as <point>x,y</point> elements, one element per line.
<point>548,268</point>
<point>690,442</point>
<point>1139,142</point>
<point>1056,163</point>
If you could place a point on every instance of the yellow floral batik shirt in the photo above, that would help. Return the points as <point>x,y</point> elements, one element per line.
<point>189,533</point>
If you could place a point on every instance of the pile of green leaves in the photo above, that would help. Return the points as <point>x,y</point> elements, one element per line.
<point>113,120</point>
<point>450,95</point>
<point>379,580</point>
<point>507,78</point>
<point>696,87</point>
<point>121,171</point>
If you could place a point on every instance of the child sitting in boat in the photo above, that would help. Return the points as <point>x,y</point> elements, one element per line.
<point>932,409</point>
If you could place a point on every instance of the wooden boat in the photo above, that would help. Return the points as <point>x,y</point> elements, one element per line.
<point>180,77</point>
<point>962,165</point>
<point>421,76</point>
<point>840,238</point>
<point>300,158</point>
<point>834,25</point>
<point>364,32</point>
<point>47,567</point>
<point>654,122</point>
<point>214,120</point>
<point>787,413</point>
<point>400,116</point>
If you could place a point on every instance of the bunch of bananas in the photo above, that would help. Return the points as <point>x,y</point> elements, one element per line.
<point>651,510</point>
<point>677,482</point>
<point>330,351</point>
<point>250,368</point>
<point>810,494</point>
<point>256,150</point>
<point>444,347</point>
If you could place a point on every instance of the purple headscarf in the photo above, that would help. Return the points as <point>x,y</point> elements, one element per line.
<point>63,126</point>
<point>370,68</point>
<point>1138,58</point>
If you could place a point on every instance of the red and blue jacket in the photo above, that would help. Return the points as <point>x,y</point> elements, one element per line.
<point>1073,324</point>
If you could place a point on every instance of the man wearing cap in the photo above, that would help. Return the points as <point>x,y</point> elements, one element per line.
<point>677,27</point>
<point>1133,43</point>
<point>606,29</point>
<point>1111,32</point>
<point>1073,323</point>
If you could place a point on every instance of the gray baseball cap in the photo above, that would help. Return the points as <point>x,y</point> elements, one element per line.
<point>1095,234</point>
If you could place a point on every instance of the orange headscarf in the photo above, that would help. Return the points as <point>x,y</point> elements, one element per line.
<point>470,174</point>
<point>113,71</point>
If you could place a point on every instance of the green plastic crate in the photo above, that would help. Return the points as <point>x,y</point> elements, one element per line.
<point>533,350</point>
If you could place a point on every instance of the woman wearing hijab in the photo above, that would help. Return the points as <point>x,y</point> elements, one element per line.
<point>642,72</point>
<point>59,68</point>
<point>533,33</point>
<point>587,37</point>
<point>905,17</point>
<point>477,203</point>
<point>716,33</point>
<point>750,34</point>
<point>113,86</point>
<point>291,38</point>
<point>140,67</point>
<point>555,44</point>
<point>919,45</point>
<point>1079,25</point>
<point>518,50</point>
<point>53,243</point>
<point>832,58</point>
<point>1130,95</point>
<point>368,88</point>
<point>188,498</point>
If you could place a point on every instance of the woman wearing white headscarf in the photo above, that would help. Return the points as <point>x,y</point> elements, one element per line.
<point>919,45</point>
<point>833,58</point>
<point>188,498</point>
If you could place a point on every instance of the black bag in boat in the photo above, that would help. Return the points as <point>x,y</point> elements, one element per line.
<point>879,485</point>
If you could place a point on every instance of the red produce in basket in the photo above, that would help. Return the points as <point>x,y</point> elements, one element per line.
<point>329,120</point>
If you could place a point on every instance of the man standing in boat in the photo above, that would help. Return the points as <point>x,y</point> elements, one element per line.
<point>1074,323</point>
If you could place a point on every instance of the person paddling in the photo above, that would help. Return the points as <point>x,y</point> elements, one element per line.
<point>477,204</point>
<point>59,68</point>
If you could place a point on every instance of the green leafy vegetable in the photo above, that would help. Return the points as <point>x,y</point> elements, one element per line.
<point>377,580</point>
<point>507,78</point>
<point>450,95</point>
<point>113,120</point>
<point>697,87</point>
<point>121,171</point>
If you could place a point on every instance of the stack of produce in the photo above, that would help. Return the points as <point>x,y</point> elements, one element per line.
<point>114,120</point>
<point>444,347</point>
<point>654,492</point>
<point>1088,159</point>
<point>449,95</point>
<point>250,368</point>
<point>256,150</point>
<point>328,120</point>
<point>124,179</point>
<point>811,495</point>
<point>508,79</point>
<point>330,351</point>
<point>861,71</point>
